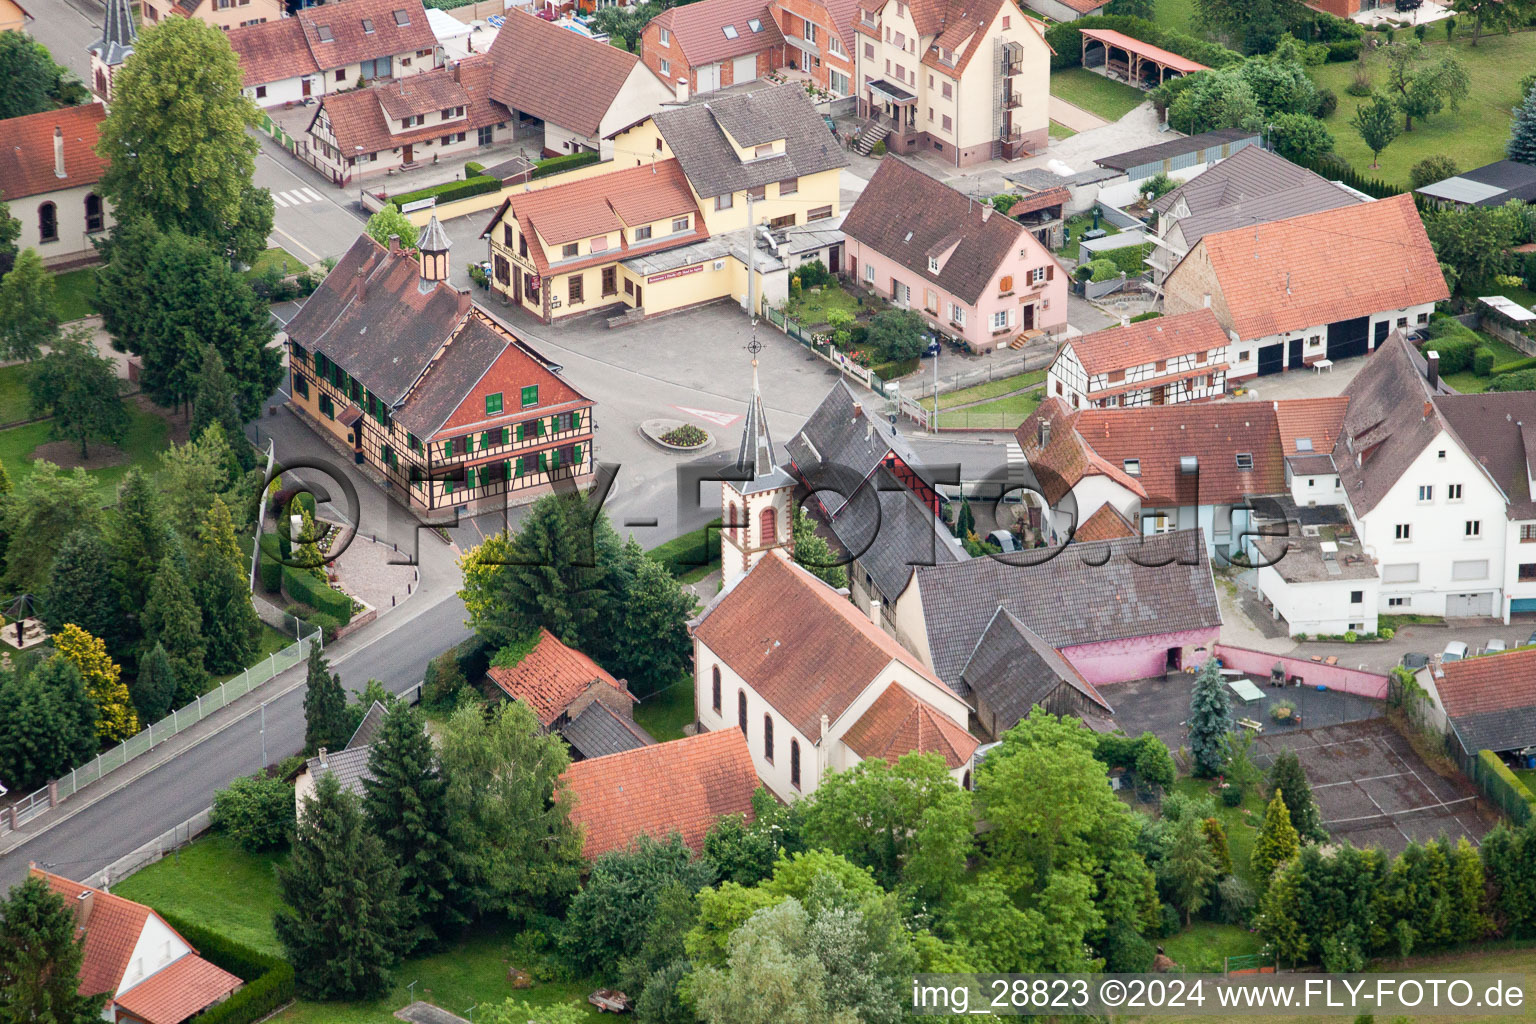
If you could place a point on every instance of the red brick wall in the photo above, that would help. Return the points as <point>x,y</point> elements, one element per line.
<point>790,15</point>
<point>652,53</point>
<point>1338,8</point>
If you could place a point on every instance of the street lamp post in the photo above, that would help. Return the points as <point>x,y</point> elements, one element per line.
<point>263,736</point>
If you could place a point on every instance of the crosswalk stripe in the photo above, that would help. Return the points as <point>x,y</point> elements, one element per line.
<point>296,198</point>
<point>313,194</point>
<point>277,197</point>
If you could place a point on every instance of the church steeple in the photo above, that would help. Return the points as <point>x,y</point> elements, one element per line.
<point>108,53</point>
<point>756,452</point>
<point>756,510</point>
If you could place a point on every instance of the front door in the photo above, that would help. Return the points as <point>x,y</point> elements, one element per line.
<point>304,85</point>
<point>408,154</point>
<point>517,285</point>
<point>1029,317</point>
<point>639,297</point>
<point>834,258</point>
<point>1159,395</point>
<point>1296,360</point>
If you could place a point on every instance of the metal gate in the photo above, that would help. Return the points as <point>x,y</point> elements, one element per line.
<point>1271,359</point>
<point>1349,337</point>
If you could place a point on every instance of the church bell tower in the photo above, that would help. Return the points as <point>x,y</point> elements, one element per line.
<point>755,511</point>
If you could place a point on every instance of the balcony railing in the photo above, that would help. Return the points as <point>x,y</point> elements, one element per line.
<point>1013,101</point>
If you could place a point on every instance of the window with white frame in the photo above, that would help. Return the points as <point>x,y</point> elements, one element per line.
<point>1000,320</point>
<point>957,314</point>
<point>1037,275</point>
<point>664,37</point>
<point>666,66</point>
<point>933,264</point>
<point>1426,493</point>
<point>1453,492</point>
<point>1474,528</point>
<point>1402,531</point>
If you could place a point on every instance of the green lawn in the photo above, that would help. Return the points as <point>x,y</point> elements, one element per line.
<point>991,389</point>
<point>1178,15</point>
<point>1095,93</point>
<point>76,290</point>
<point>1241,822</point>
<point>1075,226</point>
<point>1474,135</point>
<point>1061,131</point>
<point>275,257</point>
<point>214,883</point>
<point>15,399</point>
<point>1469,383</point>
<point>146,439</point>
<point>999,414</point>
<point>812,308</point>
<point>664,713</point>
<point>1204,943</point>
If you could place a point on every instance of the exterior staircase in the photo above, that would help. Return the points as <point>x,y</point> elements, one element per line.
<point>870,133</point>
<point>629,316</point>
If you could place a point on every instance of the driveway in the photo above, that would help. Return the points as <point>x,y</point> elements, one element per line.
<point>1073,116</point>
<point>1304,383</point>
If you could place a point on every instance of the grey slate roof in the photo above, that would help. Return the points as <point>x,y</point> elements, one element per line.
<point>350,767</point>
<point>1139,587</point>
<point>889,531</point>
<point>447,380</point>
<point>434,238</point>
<point>368,729</point>
<point>118,34</point>
<point>838,448</point>
<point>696,134</point>
<point>1252,186</point>
<point>1012,669</point>
<point>597,732</point>
<point>1512,729</point>
<point>1173,148</point>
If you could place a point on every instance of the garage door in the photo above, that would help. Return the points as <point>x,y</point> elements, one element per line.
<point>1349,337</point>
<point>1271,359</point>
<point>1465,606</point>
<point>1523,604</point>
<point>744,69</point>
<point>709,78</point>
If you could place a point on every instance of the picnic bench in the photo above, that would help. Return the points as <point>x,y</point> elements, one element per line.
<point>1251,724</point>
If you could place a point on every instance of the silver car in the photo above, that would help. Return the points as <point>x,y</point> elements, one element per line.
<point>1495,647</point>
<point>1454,651</point>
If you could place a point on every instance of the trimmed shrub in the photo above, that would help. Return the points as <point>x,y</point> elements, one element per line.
<point>271,564</point>
<point>443,683</point>
<point>1327,103</point>
<point>1482,361</point>
<point>302,586</point>
<point>1504,786</point>
<point>1342,50</point>
<point>473,169</point>
<point>1130,258</point>
<point>1518,364</point>
<point>255,812</point>
<point>326,624</point>
<point>889,371</point>
<point>452,190</point>
<point>268,979</point>
<point>813,274</point>
<point>1520,380</point>
<point>1231,796</point>
<point>682,555</point>
<point>1100,270</point>
<point>556,164</point>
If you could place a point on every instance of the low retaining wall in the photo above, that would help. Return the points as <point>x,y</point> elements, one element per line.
<point>156,849</point>
<point>1335,677</point>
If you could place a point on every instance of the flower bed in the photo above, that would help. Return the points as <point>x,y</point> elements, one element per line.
<point>685,435</point>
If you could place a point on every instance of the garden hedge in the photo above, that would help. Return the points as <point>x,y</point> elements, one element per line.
<point>556,164</point>
<point>451,191</point>
<point>1129,258</point>
<point>1066,39</point>
<point>892,370</point>
<point>302,586</point>
<point>682,555</point>
<point>1504,787</point>
<point>1482,361</point>
<point>1342,50</point>
<point>271,564</point>
<point>1518,364</point>
<point>268,979</point>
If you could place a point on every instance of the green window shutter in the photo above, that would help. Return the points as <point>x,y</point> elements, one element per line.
<point>506,469</point>
<point>519,468</point>
<point>493,404</point>
<point>530,395</point>
<point>554,459</point>
<point>575,454</point>
<point>576,420</point>
<point>538,427</point>
<point>448,448</point>
<point>543,462</point>
<point>469,479</point>
<point>485,439</point>
<point>554,424</point>
<point>447,486</point>
<point>521,429</point>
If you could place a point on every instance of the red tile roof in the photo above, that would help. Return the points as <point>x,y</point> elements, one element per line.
<point>1492,683</point>
<point>1085,6</point>
<point>800,644</point>
<point>1105,524</point>
<point>27,157</point>
<point>351,42</point>
<point>698,30</point>
<point>605,204</point>
<point>174,993</point>
<point>682,786</point>
<point>556,74</point>
<point>1065,458</point>
<point>272,51</point>
<point>1296,273</point>
<point>1320,419</point>
<point>1147,50</point>
<point>1163,338</point>
<point>361,122</point>
<point>899,723</point>
<point>550,676</point>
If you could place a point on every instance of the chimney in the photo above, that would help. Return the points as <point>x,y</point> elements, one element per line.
<point>1045,432</point>
<point>874,610</point>
<point>58,152</point>
<point>1429,407</point>
<point>1207,300</point>
<point>456,71</point>
<point>826,723</point>
<point>1432,370</point>
<point>682,90</point>
<point>360,283</point>
<point>858,409</point>
<point>324,761</point>
<point>394,243</point>
<point>986,212</point>
<point>83,904</point>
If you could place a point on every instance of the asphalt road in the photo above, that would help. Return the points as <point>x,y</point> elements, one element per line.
<point>67,27</point>
<point>87,840</point>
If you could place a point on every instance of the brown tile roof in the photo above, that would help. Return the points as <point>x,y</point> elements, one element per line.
<point>1492,699</point>
<point>1064,458</point>
<point>1290,274</point>
<point>1163,338</point>
<point>605,205</point>
<point>905,215</point>
<point>178,991</point>
<point>1320,420</point>
<point>843,13</point>
<point>1499,432</point>
<point>272,51</point>
<point>399,27</point>
<point>1085,6</point>
<point>900,723</point>
<point>26,151</point>
<point>1105,524</point>
<point>1215,433</point>
<point>800,644</point>
<point>962,32</point>
<point>682,786</point>
<point>698,29</point>
<point>1040,199</point>
<point>556,74</point>
<point>1167,58</point>
<point>550,676</point>
<point>361,123</point>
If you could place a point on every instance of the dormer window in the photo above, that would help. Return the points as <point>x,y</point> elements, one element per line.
<point>758,152</point>
<point>1244,460</point>
<point>402,18</point>
<point>324,32</point>
<point>368,26</point>
<point>933,264</point>
<point>730,31</point>
<point>755,24</point>
<point>1133,467</point>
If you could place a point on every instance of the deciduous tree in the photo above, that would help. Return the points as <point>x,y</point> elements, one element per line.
<point>1209,708</point>
<point>390,221</point>
<point>1376,124</point>
<point>813,553</point>
<point>116,719</point>
<point>176,144</point>
<point>655,651</point>
<point>29,308</point>
<point>33,516</point>
<point>29,73</point>
<point>1300,138</point>
<point>255,811</point>
<point>340,891</point>
<point>1431,169</point>
<point>40,954</point>
<point>77,387</point>
<point>10,230</point>
<point>1509,860</point>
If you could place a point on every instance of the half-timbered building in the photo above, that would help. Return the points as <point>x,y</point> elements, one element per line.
<point>1163,361</point>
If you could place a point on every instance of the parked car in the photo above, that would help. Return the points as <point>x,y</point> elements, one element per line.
<point>1004,539</point>
<point>1413,661</point>
<point>1495,647</point>
<point>1454,651</point>
<point>1530,640</point>
<point>932,348</point>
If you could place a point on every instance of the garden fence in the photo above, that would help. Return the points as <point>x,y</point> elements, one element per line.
<point>180,719</point>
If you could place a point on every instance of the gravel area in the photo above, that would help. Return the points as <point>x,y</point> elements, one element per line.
<point>365,572</point>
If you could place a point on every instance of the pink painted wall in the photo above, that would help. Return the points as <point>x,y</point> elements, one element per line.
<point>1049,297</point>
<point>1335,677</point>
<point>1142,657</point>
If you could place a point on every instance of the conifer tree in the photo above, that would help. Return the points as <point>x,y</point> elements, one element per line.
<point>47,724</point>
<point>1188,867</point>
<point>116,719</point>
<point>155,688</point>
<point>406,806</point>
<point>1209,707</point>
<point>1216,837</point>
<point>1522,132</point>
<point>325,706</point>
<point>79,591</point>
<point>230,626</point>
<point>340,891</point>
<point>1287,776</point>
<point>141,536</point>
<point>171,619</point>
<point>40,958</point>
<point>1277,842</point>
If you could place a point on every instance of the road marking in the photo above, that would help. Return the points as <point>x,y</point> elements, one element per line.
<point>314,256</point>
<point>296,197</point>
<point>316,195</point>
<point>279,200</point>
<point>720,419</point>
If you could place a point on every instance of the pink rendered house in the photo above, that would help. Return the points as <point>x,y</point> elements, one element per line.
<point>974,273</point>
